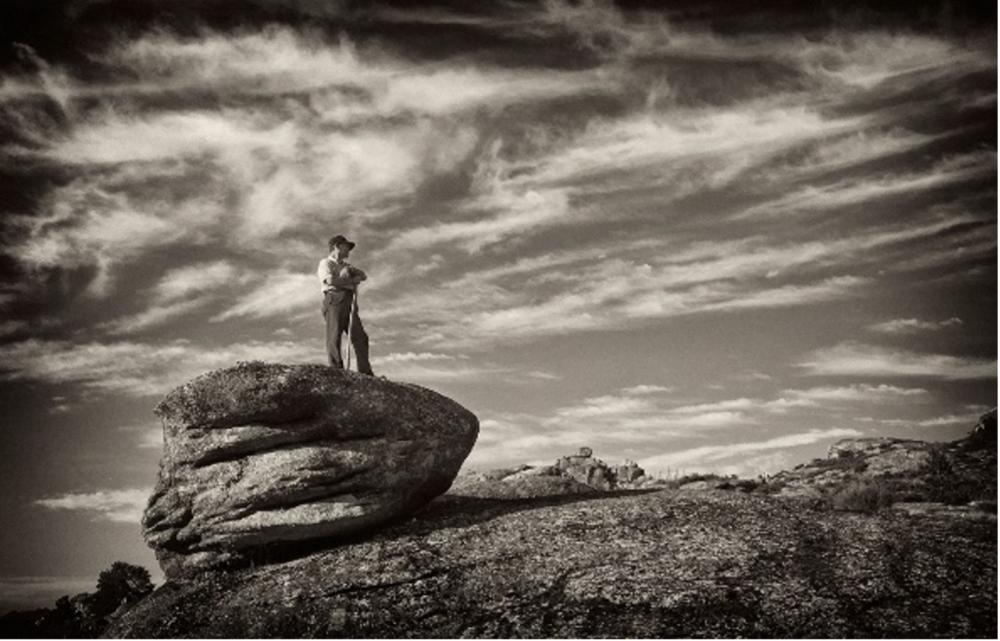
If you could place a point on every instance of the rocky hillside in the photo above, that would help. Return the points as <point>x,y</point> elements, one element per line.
<point>957,478</point>
<point>580,549</point>
<point>299,502</point>
<point>618,564</point>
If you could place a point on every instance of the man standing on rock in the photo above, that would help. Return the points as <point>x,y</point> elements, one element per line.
<point>339,282</point>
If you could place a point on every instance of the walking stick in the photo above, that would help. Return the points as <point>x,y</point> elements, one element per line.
<point>350,325</point>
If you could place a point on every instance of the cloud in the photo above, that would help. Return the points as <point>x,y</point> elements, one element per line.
<point>852,358</point>
<point>857,392</point>
<point>642,412</point>
<point>854,191</point>
<point>639,280</point>
<point>118,506</point>
<point>437,370</point>
<point>707,456</point>
<point>679,152</point>
<point>152,439</point>
<point>591,305</point>
<point>142,369</point>
<point>148,436</point>
<point>398,357</point>
<point>811,400</point>
<point>968,419</point>
<point>84,224</point>
<point>913,325</point>
<point>198,278</point>
<point>606,406</point>
<point>511,214</point>
<point>367,129</point>
<point>279,61</point>
<point>641,390</point>
<point>180,291</point>
<point>869,58</point>
<point>138,368</point>
<point>431,367</point>
<point>742,404</point>
<point>280,293</point>
<point>154,316</point>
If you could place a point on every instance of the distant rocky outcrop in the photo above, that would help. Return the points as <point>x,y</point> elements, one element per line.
<point>957,478</point>
<point>579,473</point>
<point>262,458</point>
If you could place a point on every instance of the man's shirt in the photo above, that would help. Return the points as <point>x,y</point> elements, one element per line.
<point>330,278</point>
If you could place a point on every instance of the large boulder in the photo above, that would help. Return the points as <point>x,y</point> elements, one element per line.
<point>261,458</point>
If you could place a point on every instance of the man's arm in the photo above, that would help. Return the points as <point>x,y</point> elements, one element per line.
<point>344,276</point>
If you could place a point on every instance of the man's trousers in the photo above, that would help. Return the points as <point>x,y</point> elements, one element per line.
<point>337,312</point>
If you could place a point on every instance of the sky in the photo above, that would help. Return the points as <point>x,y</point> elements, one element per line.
<point>693,235</point>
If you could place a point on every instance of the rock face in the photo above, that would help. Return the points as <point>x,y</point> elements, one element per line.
<point>260,458</point>
<point>613,565</point>
<point>884,455</point>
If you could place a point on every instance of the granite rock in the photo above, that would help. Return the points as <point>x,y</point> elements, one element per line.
<point>261,457</point>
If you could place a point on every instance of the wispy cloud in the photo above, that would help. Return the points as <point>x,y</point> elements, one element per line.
<point>642,280</point>
<point>181,291</point>
<point>279,293</point>
<point>967,419</point>
<point>812,199</point>
<point>147,436</point>
<point>709,456</point>
<point>153,316</point>
<point>119,506</point>
<point>852,358</point>
<point>913,325</point>
<point>642,390</point>
<point>432,367</point>
<point>138,368</point>
<point>374,128</point>
<point>857,392</point>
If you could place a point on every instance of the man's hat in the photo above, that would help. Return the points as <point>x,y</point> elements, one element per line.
<point>340,240</point>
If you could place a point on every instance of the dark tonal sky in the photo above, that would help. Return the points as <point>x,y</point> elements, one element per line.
<point>695,235</point>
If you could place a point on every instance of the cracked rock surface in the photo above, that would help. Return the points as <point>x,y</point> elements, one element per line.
<point>615,565</point>
<point>261,459</point>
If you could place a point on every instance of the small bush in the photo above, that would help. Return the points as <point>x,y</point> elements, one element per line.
<point>850,462</point>
<point>696,476</point>
<point>869,495</point>
<point>769,486</point>
<point>955,490</point>
<point>939,465</point>
<point>742,485</point>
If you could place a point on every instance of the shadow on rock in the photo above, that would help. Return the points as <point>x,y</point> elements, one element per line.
<point>445,512</point>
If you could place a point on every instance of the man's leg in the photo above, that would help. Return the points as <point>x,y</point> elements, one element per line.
<point>334,328</point>
<point>359,338</point>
